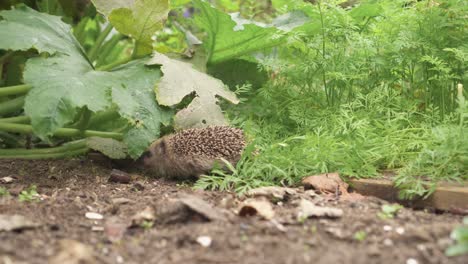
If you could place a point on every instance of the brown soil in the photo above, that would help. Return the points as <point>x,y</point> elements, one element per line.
<point>69,189</point>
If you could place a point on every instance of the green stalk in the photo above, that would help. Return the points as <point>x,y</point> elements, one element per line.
<point>107,48</point>
<point>70,146</point>
<point>9,140</point>
<point>114,64</point>
<point>13,90</point>
<point>83,122</point>
<point>101,117</point>
<point>12,105</point>
<point>16,119</point>
<point>5,57</point>
<point>67,150</point>
<point>61,132</point>
<point>102,36</point>
<point>79,29</point>
<point>61,155</point>
<point>324,79</point>
<point>136,50</point>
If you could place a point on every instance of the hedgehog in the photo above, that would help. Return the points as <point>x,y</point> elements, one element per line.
<point>193,152</point>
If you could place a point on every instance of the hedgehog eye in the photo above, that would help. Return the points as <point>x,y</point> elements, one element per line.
<point>146,154</point>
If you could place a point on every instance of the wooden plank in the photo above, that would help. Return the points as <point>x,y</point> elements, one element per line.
<point>446,197</point>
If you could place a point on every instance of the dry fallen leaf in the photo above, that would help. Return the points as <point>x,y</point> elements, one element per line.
<point>308,209</point>
<point>261,207</point>
<point>325,183</point>
<point>7,179</point>
<point>330,183</point>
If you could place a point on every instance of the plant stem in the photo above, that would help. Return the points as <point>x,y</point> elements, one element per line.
<point>11,105</point>
<point>324,78</point>
<point>5,57</point>
<point>16,119</point>
<point>114,64</point>
<point>107,48</point>
<point>9,140</point>
<point>61,132</point>
<point>136,50</point>
<point>61,155</point>
<point>13,90</point>
<point>101,117</point>
<point>83,122</point>
<point>102,36</point>
<point>70,146</point>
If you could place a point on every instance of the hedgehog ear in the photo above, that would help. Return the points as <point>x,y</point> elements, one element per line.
<point>162,147</point>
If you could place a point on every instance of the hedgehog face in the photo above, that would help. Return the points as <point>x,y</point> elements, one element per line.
<point>156,151</point>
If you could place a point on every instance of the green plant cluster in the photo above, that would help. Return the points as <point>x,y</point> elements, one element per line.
<point>460,235</point>
<point>373,88</point>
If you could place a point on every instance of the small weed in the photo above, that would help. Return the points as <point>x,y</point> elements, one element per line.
<point>460,235</point>
<point>4,192</point>
<point>360,235</point>
<point>389,211</point>
<point>29,195</point>
<point>244,237</point>
<point>146,225</point>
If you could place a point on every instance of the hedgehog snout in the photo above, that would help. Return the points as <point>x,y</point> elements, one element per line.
<point>145,158</point>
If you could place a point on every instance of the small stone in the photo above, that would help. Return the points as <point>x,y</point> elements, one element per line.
<point>388,242</point>
<point>204,241</point>
<point>411,261</point>
<point>387,228</point>
<point>421,247</point>
<point>400,230</point>
<point>97,228</point>
<point>139,186</point>
<point>120,200</point>
<point>119,259</point>
<point>94,216</point>
<point>120,177</point>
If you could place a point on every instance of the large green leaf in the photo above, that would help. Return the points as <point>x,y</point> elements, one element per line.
<point>20,27</point>
<point>180,80</point>
<point>227,39</point>
<point>110,147</point>
<point>137,103</point>
<point>231,36</point>
<point>139,19</point>
<point>66,82</point>
<point>105,7</point>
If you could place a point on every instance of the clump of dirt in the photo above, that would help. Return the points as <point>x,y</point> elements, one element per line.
<point>80,215</point>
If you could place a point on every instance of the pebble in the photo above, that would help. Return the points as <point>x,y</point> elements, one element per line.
<point>97,228</point>
<point>387,228</point>
<point>388,242</point>
<point>400,230</point>
<point>94,216</point>
<point>411,261</point>
<point>205,241</point>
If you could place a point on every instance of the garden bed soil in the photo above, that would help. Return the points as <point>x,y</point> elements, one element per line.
<point>69,189</point>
